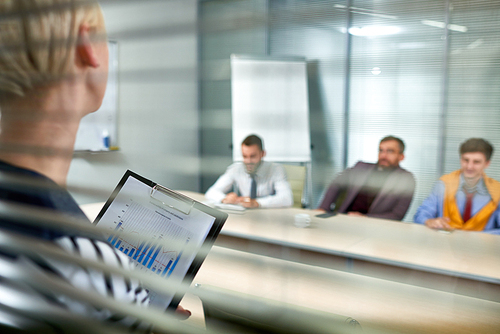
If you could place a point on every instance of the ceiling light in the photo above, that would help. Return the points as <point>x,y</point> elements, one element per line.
<point>376,71</point>
<point>456,27</point>
<point>475,44</point>
<point>374,30</point>
<point>364,11</point>
<point>442,25</point>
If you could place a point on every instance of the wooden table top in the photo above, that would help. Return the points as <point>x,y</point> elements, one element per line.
<point>472,255</point>
<point>380,306</point>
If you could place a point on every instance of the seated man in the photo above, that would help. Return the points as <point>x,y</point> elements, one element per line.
<point>381,190</point>
<point>53,72</point>
<point>465,199</point>
<point>259,183</point>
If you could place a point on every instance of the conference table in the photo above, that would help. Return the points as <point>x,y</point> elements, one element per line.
<point>379,305</point>
<point>390,276</point>
<point>459,261</point>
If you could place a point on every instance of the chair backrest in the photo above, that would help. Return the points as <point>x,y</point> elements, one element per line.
<point>296,176</point>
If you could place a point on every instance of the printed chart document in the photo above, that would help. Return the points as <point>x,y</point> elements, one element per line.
<point>160,230</point>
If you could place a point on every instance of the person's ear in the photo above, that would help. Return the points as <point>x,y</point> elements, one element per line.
<point>263,154</point>
<point>85,50</point>
<point>401,157</point>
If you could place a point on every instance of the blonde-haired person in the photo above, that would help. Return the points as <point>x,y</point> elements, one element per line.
<point>53,72</point>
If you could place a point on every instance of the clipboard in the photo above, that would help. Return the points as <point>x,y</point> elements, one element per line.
<point>163,232</point>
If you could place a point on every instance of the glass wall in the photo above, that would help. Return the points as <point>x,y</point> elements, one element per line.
<point>424,70</point>
<point>226,27</point>
<point>396,84</point>
<point>473,79</point>
<point>314,30</point>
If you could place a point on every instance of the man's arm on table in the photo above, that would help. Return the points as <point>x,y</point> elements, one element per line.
<point>403,196</point>
<point>493,226</point>
<point>338,185</point>
<point>219,190</point>
<point>430,212</point>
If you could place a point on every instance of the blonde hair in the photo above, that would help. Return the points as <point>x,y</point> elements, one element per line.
<point>37,39</point>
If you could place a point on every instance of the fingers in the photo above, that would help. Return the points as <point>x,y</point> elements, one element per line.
<point>355,214</point>
<point>231,198</point>
<point>441,223</point>
<point>445,226</point>
<point>182,313</point>
<point>248,202</point>
<point>245,204</point>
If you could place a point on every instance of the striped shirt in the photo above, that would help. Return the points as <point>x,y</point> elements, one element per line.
<point>53,197</point>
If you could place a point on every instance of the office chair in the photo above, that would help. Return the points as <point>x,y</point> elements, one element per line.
<point>296,176</point>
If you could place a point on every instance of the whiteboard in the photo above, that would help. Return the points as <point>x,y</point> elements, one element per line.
<point>270,99</point>
<point>98,130</point>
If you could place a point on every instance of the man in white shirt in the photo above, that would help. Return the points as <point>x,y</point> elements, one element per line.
<point>256,183</point>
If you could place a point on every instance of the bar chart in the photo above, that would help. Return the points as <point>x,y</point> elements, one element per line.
<point>149,247</point>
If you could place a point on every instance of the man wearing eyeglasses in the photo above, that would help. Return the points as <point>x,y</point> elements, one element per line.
<point>379,190</point>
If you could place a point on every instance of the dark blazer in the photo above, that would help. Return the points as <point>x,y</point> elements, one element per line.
<point>392,201</point>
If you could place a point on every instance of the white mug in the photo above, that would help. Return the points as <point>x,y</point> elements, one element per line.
<point>302,220</point>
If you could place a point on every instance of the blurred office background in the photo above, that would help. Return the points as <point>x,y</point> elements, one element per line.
<point>423,70</point>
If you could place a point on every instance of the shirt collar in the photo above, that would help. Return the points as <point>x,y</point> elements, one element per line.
<point>260,170</point>
<point>480,186</point>
<point>385,169</point>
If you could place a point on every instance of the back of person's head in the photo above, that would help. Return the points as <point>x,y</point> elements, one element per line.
<point>400,142</point>
<point>480,145</point>
<point>253,140</point>
<point>37,39</point>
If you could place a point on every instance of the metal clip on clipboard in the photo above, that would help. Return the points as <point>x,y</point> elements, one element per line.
<point>184,204</point>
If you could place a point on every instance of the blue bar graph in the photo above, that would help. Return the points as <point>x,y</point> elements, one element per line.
<point>114,241</point>
<point>143,253</point>
<point>138,251</point>
<point>154,257</point>
<point>148,256</point>
<point>175,263</point>
<point>166,268</point>
<point>112,235</point>
<point>148,253</point>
